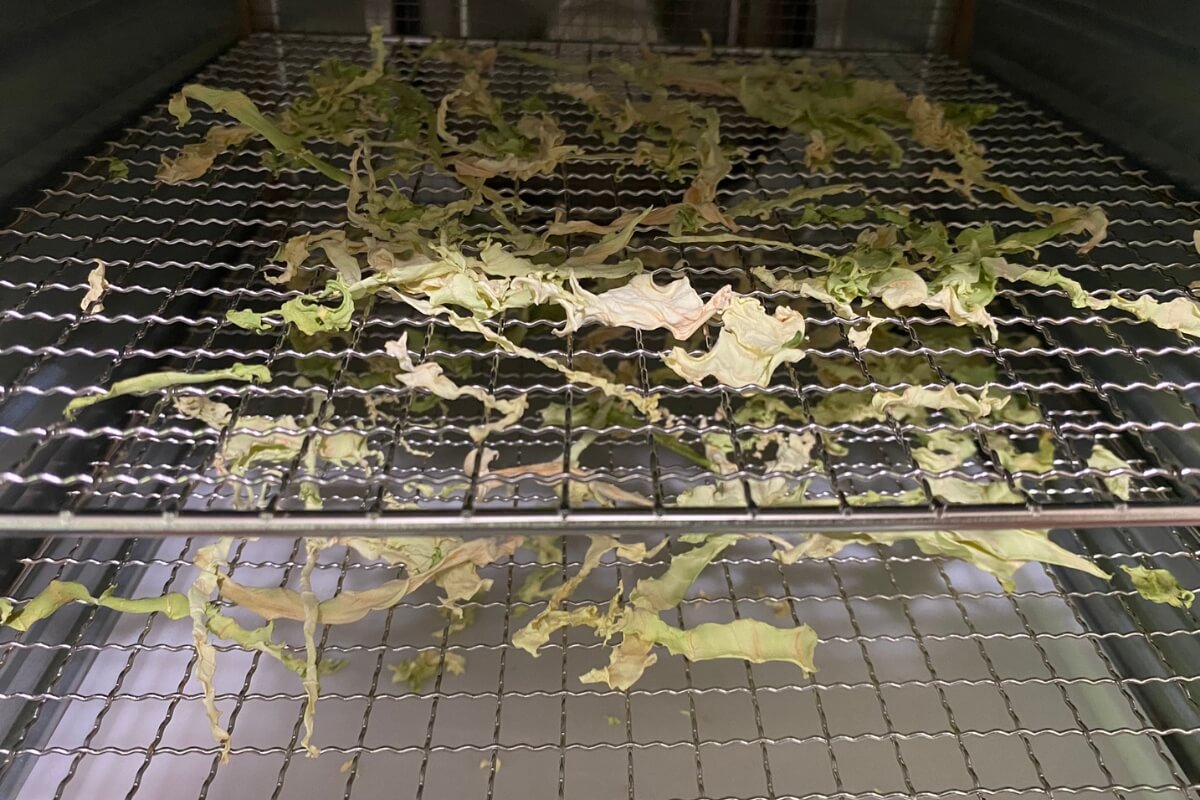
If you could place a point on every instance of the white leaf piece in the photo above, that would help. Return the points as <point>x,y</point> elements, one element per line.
<point>751,345</point>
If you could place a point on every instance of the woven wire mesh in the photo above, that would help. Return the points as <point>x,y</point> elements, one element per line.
<point>179,257</point>
<point>932,683</point>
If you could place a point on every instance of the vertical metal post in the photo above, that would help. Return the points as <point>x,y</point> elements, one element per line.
<point>464,19</point>
<point>735,23</point>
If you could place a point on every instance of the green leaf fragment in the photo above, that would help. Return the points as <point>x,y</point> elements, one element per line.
<point>425,666</point>
<point>747,639</point>
<point>118,170</point>
<point>242,108</point>
<point>311,315</point>
<point>156,381</point>
<point>1159,586</point>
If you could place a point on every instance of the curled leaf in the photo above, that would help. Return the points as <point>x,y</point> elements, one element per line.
<point>196,159</point>
<point>423,667</point>
<point>1159,586</point>
<point>156,381</point>
<point>749,348</point>
<point>208,561</point>
<point>97,286</point>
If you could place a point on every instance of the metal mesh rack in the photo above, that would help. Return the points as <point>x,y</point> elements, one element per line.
<point>179,257</point>
<point>932,683</point>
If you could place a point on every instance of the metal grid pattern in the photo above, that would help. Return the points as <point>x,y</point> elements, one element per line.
<point>932,683</point>
<point>179,257</point>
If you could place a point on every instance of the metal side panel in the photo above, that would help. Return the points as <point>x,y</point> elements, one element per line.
<point>70,71</point>
<point>1127,71</point>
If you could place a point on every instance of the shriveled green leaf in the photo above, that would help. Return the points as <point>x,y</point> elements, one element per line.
<point>1000,553</point>
<point>417,671</point>
<point>273,603</point>
<point>156,381</point>
<point>1180,314</point>
<point>645,305</point>
<point>917,399</point>
<point>1104,459</point>
<point>1159,586</point>
<point>60,593</point>
<point>242,108</point>
<point>118,170</point>
<point>430,377</point>
<point>311,315</point>
<point>668,590</point>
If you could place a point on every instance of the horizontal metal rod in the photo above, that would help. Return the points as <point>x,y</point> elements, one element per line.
<point>597,521</point>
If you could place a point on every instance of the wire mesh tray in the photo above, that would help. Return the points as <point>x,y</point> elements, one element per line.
<point>180,256</point>
<point>932,683</point>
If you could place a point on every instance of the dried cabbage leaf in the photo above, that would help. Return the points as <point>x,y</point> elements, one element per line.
<point>97,287</point>
<point>60,593</point>
<point>242,108</point>
<point>647,404</point>
<point>196,159</point>
<point>417,671</point>
<point>1159,586</point>
<point>1180,314</point>
<point>752,344</point>
<point>155,381</point>
<point>1000,552</point>
<point>643,304</point>
<point>430,377</point>
<point>917,399</point>
<point>1104,459</point>
<point>208,560</point>
<point>272,603</point>
<point>746,639</point>
<point>118,170</point>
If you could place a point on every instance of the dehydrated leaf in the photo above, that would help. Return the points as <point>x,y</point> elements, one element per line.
<point>648,405</point>
<point>746,639</point>
<point>273,603</point>
<point>762,209</point>
<point>916,399</point>
<point>1000,553</point>
<point>423,667</point>
<point>1180,314</point>
<point>610,244</point>
<point>208,561</point>
<point>156,381</point>
<point>1159,586</point>
<point>196,159</point>
<point>310,314</point>
<point>60,593</point>
<point>668,590</point>
<point>644,305</point>
<point>242,108</point>
<point>118,170</point>
<point>312,618</point>
<point>1104,459</point>
<point>749,348</point>
<point>429,376</point>
<point>97,286</point>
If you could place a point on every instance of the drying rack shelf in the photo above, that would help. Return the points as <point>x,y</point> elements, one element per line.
<point>179,257</point>
<point>932,683</point>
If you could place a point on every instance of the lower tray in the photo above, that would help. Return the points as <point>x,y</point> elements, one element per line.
<point>932,683</point>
